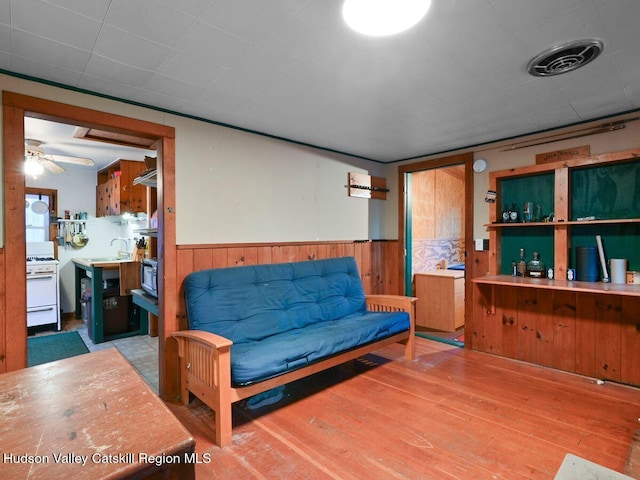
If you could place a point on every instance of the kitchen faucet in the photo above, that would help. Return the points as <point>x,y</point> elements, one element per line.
<point>126,253</point>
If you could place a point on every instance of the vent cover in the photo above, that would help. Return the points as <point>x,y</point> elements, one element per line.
<point>565,58</point>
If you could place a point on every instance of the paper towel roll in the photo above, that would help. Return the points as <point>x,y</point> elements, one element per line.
<point>618,270</point>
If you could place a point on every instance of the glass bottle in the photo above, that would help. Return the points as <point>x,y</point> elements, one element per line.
<point>535,267</point>
<point>537,213</point>
<point>513,213</point>
<point>521,266</point>
<point>506,214</point>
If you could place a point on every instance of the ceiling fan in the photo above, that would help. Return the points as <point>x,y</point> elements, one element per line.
<point>36,160</point>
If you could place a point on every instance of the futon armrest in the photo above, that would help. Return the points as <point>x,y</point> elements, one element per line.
<point>208,338</point>
<point>395,303</point>
<point>392,302</point>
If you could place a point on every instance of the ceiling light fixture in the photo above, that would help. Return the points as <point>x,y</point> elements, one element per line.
<point>32,166</point>
<point>383,17</point>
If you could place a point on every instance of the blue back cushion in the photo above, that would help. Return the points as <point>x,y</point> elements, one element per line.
<point>247,304</point>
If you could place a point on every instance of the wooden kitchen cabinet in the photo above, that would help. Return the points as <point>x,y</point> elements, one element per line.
<point>440,299</point>
<point>116,193</point>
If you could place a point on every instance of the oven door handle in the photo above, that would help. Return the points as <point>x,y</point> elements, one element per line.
<point>39,309</point>
<point>38,277</point>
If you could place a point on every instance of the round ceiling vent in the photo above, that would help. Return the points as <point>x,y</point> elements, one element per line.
<point>565,58</point>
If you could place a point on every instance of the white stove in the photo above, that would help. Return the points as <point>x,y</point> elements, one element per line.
<point>43,286</point>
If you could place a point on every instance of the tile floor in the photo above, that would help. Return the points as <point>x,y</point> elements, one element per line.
<point>141,351</point>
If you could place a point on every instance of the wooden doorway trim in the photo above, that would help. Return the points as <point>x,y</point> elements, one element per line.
<point>13,331</point>
<point>462,158</point>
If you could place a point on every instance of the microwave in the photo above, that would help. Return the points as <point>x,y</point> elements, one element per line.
<point>149,276</point>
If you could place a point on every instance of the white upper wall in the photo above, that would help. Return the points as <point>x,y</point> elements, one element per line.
<point>234,186</point>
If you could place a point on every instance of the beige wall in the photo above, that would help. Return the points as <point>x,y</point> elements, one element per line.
<point>233,186</point>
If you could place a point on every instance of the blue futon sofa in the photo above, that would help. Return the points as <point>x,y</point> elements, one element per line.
<point>253,328</point>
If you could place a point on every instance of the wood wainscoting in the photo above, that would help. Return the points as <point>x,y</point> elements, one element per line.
<point>586,333</point>
<point>378,261</point>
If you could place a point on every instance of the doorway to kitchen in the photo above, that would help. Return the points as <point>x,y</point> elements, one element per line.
<point>436,227</point>
<point>43,284</point>
<point>16,107</point>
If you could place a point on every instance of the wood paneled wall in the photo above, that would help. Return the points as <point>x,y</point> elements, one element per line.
<point>378,261</point>
<point>3,314</point>
<point>589,334</point>
<point>438,203</point>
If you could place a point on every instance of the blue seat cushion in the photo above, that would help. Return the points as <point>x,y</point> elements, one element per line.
<point>256,361</point>
<point>251,303</point>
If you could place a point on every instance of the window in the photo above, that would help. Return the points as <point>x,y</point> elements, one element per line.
<point>38,207</point>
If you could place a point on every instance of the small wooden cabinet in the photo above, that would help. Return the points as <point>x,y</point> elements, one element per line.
<point>440,299</point>
<point>116,193</point>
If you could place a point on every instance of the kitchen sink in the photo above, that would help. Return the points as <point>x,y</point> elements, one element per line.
<point>105,260</point>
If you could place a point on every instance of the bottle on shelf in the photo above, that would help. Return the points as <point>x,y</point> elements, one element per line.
<point>535,267</point>
<point>506,214</point>
<point>513,213</point>
<point>521,266</point>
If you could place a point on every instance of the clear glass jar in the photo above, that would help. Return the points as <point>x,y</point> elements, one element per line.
<point>535,267</point>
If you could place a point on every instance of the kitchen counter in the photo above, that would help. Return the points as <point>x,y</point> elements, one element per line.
<point>120,322</point>
<point>104,262</point>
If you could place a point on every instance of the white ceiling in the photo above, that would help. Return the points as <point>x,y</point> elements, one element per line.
<point>58,139</point>
<point>292,69</point>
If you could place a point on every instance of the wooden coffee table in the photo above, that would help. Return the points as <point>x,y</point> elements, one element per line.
<point>89,416</point>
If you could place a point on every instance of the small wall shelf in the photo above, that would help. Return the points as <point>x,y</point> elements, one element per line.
<point>365,186</point>
<point>148,179</point>
<point>149,232</point>
<point>67,220</point>
<point>559,224</point>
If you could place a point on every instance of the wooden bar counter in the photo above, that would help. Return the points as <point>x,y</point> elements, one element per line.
<point>89,416</point>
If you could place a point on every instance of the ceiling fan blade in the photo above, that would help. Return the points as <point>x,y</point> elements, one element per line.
<point>73,160</point>
<point>51,166</point>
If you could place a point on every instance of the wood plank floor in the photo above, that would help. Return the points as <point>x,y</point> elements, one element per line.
<point>450,414</point>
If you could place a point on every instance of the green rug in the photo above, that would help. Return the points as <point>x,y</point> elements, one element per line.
<point>48,348</point>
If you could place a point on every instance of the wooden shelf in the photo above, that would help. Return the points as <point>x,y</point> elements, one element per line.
<point>544,283</point>
<point>614,221</point>
<point>148,179</point>
<point>523,224</point>
<point>150,232</point>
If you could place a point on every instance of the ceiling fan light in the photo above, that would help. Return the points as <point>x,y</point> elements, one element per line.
<point>32,166</point>
<point>383,17</point>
